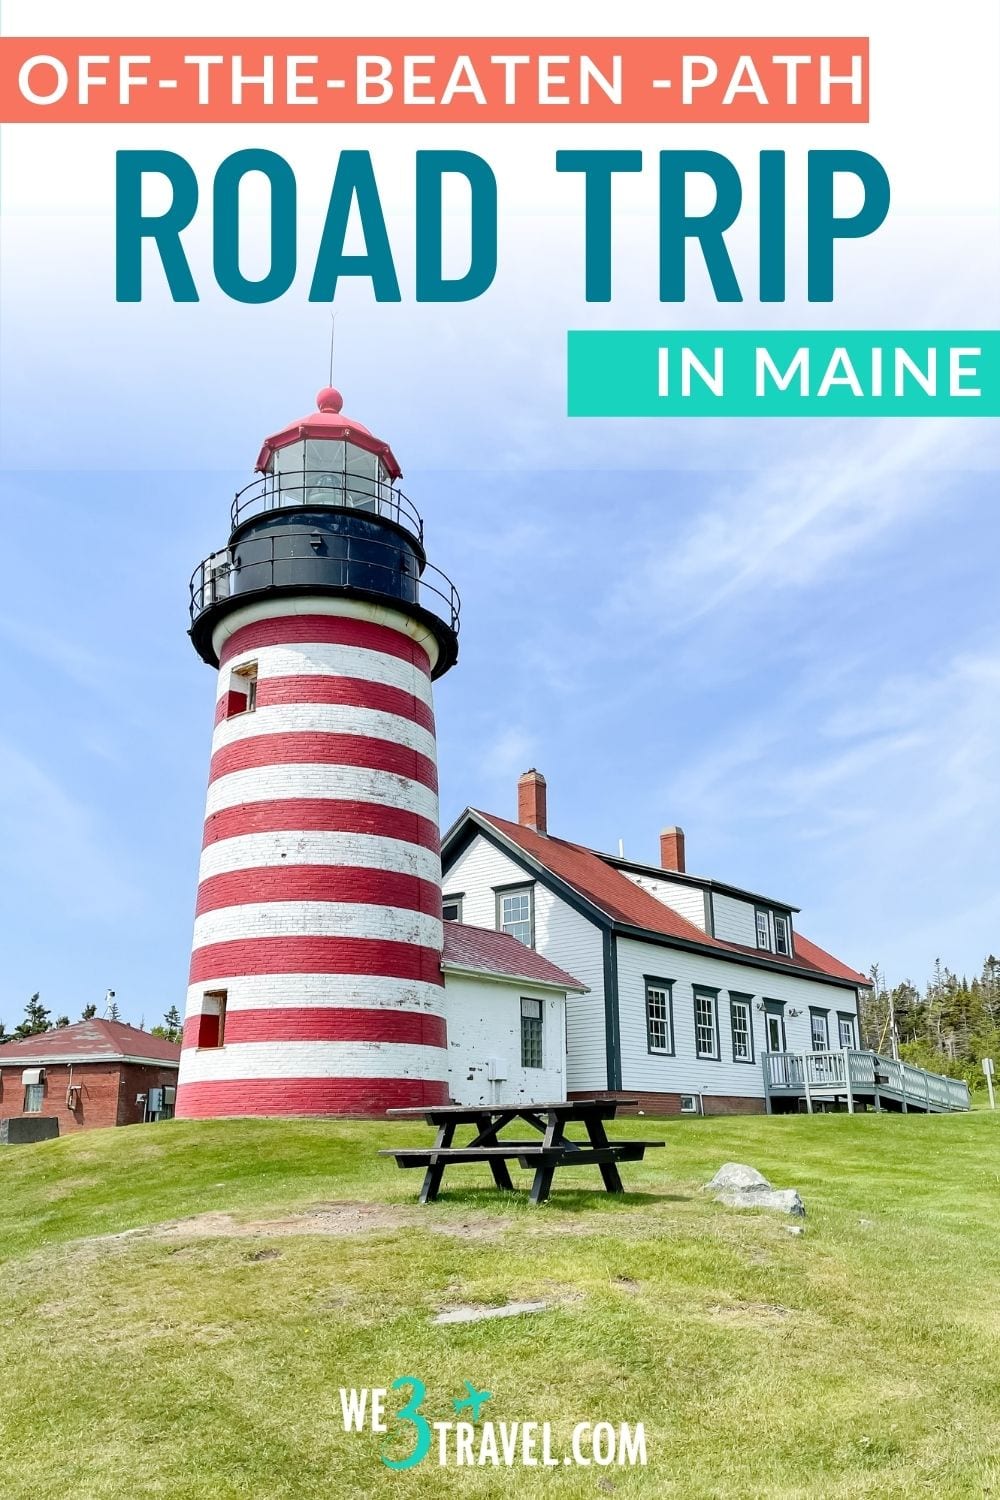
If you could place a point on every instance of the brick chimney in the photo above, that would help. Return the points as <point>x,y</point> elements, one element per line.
<point>531,808</point>
<point>672,849</point>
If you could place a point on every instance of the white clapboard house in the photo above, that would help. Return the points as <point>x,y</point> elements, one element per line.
<point>690,981</point>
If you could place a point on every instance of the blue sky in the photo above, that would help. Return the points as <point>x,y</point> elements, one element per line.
<point>800,664</point>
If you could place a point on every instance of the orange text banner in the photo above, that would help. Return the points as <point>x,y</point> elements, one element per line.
<point>599,80</point>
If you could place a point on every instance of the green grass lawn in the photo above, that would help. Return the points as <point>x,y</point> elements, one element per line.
<point>196,1363</point>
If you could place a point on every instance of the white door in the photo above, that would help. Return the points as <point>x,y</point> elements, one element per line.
<point>774,1030</point>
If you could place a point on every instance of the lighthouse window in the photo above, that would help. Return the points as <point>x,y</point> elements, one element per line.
<point>323,472</point>
<point>212,1022</point>
<point>242,690</point>
<point>362,480</point>
<point>516,914</point>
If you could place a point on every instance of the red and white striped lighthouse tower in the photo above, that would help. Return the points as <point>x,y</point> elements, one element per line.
<point>315,983</point>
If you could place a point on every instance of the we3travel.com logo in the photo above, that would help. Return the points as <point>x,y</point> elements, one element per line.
<point>474,1439</point>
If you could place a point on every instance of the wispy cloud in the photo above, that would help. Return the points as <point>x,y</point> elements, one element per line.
<point>792,523</point>
<point>889,816</point>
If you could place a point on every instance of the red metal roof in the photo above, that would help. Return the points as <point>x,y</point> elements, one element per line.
<point>490,952</point>
<point>589,873</point>
<point>328,423</point>
<point>88,1040</point>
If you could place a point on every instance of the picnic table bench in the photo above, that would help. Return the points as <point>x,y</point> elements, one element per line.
<point>554,1150</point>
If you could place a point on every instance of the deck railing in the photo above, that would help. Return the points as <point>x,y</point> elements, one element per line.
<point>852,1073</point>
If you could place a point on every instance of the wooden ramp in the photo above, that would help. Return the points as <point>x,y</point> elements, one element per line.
<point>855,1080</point>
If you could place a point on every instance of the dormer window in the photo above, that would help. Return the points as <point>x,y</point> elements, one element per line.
<point>763,929</point>
<point>774,931</point>
<point>782,937</point>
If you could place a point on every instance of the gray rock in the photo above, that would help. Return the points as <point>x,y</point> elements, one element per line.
<point>781,1200</point>
<point>739,1186</point>
<point>794,1229</point>
<point>735,1176</point>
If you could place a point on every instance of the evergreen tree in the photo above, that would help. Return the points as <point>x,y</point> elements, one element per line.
<point>88,1013</point>
<point>62,1021</point>
<point>36,1019</point>
<point>172,1029</point>
<point>114,1014</point>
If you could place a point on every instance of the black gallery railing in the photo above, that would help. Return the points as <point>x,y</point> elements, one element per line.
<point>304,558</point>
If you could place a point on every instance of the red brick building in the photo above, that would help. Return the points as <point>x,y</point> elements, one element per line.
<point>92,1074</point>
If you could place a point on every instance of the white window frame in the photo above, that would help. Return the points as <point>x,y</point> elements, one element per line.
<point>743,1003</point>
<point>816,1013</point>
<point>849,1022</point>
<point>761,911</point>
<point>34,1099</point>
<point>532,1012</point>
<point>659,1014</point>
<point>704,993</point>
<point>782,929</point>
<point>510,893</point>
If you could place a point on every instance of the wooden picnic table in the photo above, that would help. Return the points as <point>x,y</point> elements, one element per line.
<point>556,1149</point>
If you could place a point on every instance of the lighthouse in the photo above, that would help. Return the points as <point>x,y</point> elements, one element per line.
<point>315,984</point>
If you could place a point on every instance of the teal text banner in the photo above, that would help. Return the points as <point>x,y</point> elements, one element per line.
<point>809,373</point>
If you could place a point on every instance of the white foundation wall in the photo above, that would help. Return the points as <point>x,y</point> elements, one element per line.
<point>484,1022</point>
<point>562,935</point>
<point>685,1072</point>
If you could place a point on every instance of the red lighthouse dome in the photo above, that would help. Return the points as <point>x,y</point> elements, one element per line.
<point>315,981</point>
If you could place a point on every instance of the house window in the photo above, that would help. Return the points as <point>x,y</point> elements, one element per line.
<point>531,1033</point>
<point>34,1093</point>
<point>689,1104</point>
<point>212,1021</point>
<point>741,1023</point>
<point>242,698</point>
<point>660,1015</point>
<point>782,937</point>
<point>774,1025</point>
<point>763,929</point>
<point>819,1022</point>
<point>845,1028</point>
<point>706,1022</point>
<point>451,908</point>
<point>516,914</point>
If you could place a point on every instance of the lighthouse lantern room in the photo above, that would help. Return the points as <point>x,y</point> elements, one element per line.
<point>315,982</point>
